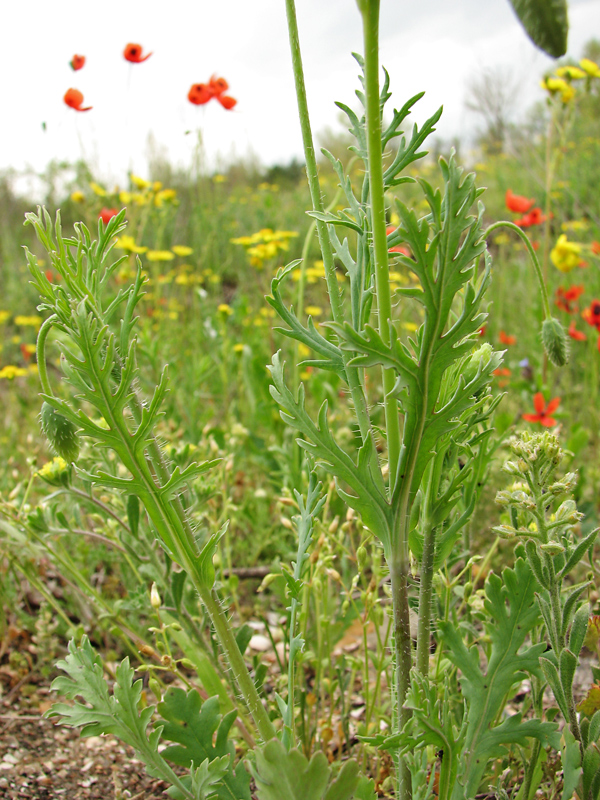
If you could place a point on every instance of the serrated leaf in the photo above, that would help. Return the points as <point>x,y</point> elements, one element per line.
<point>511,613</point>
<point>193,725</point>
<point>283,775</point>
<point>545,22</point>
<point>105,714</point>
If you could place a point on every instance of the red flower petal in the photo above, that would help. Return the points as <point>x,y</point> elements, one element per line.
<point>539,403</point>
<point>552,405</point>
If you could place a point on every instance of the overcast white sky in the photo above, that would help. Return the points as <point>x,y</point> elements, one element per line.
<point>431,45</point>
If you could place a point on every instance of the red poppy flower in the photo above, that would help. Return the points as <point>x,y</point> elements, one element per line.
<point>544,412</point>
<point>596,248</point>
<point>517,203</point>
<point>506,339</point>
<point>77,62</point>
<point>564,298</point>
<point>73,98</point>
<point>217,85</point>
<point>575,334</point>
<point>107,214</point>
<point>592,314</point>
<point>399,248</point>
<point>535,217</point>
<point>199,94</point>
<point>227,102</point>
<point>133,53</point>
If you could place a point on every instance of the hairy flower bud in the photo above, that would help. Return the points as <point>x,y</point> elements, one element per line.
<point>555,341</point>
<point>60,432</point>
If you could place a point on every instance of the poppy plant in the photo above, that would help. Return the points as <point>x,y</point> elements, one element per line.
<point>74,99</point>
<point>544,412</point>
<point>217,85</point>
<point>399,248</point>
<point>564,298</point>
<point>517,203</point>
<point>133,53</point>
<point>506,339</point>
<point>107,214</point>
<point>226,101</point>
<point>534,217</point>
<point>575,334</point>
<point>595,248</point>
<point>591,314</point>
<point>199,94</point>
<point>77,62</point>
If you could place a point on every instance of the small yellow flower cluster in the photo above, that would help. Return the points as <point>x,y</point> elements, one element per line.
<point>265,244</point>
<point>10,372</point>
<point>4,316</point>
<point>148,193</point>
<point>561,83</point>
<point>32,322</point>
<point>55,472</point>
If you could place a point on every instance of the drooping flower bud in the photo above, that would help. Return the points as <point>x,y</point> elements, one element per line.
<point>60,432</point>
<point>555,341</point>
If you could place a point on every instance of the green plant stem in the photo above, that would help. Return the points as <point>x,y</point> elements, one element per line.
<point>425,594</point>
<point>533,256</point>
<point>370,15</point>
<point>41,352</point>
<point>403,656</point>
<point>352,374</point>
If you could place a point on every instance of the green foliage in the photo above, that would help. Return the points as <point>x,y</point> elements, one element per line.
<point>193,725</point>
<point>545,22</point>
<point>283,775</point>
<point>510,615</point>
<point>116,714</point>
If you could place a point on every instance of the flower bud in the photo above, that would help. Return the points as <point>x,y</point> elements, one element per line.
<point>553,548</point>
<point>361,557</point>
<point>60,432</point>
<point>555,342</point>
<point>155,600</point>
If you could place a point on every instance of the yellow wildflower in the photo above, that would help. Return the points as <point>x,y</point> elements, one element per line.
<point>181,250</point>
<point>98,190</point>
<point>572,73</point>
<point>238,348</point>
<point>575,225</point>
<point>164,196</point>
<point>77,197</point>
<point>31,322</point>
<point>553,85</point>
<point>125,198</point>
<point>138,182</point>
<point>565,255</point>
<point>157,186</point>
<point>10,372</point>
<point>128,243</point>
<point>314,311</point>
<point>4,315</point>
<point>409,326</point>
<point>590,67</point>
<point>219,178</point>
<point>223,308</point>
<point>303,350</point>
<point>160,255</point>
<point>140,199</point>
<point>55,472</point>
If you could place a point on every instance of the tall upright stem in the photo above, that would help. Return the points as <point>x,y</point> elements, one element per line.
<point>370,15</point>
<point>352,374</point>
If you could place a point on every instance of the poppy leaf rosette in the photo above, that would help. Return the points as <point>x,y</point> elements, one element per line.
<point>133,53</point>
<point>74,99</point>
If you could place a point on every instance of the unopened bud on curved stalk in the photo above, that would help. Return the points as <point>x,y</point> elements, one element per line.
<point>556,344</point>
<point>60,432</point>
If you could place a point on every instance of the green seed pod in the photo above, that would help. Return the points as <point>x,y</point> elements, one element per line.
<point>60,432</point>
<point>361,557</point>
<point>555,342</point>
<point>154,687</point>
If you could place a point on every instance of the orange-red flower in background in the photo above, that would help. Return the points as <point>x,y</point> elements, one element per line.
<point>199,94</point>
<point>133,53</point>
<point>596,248</point>
<point>399,248</point>
<point>544,412</point>
<point>73,98</point>
<point>77,62</point>
<point>505,338</point>
<point>575,334</point>
<point>107,214</point>
<point>517,203</point>
<point>535,217</point>
<point>565,298</point>
<point>226,101</point>
<point>217,85</point>
<point>591,314</point>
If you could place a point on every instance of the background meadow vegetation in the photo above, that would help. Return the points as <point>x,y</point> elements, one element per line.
<point>76,561</point>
